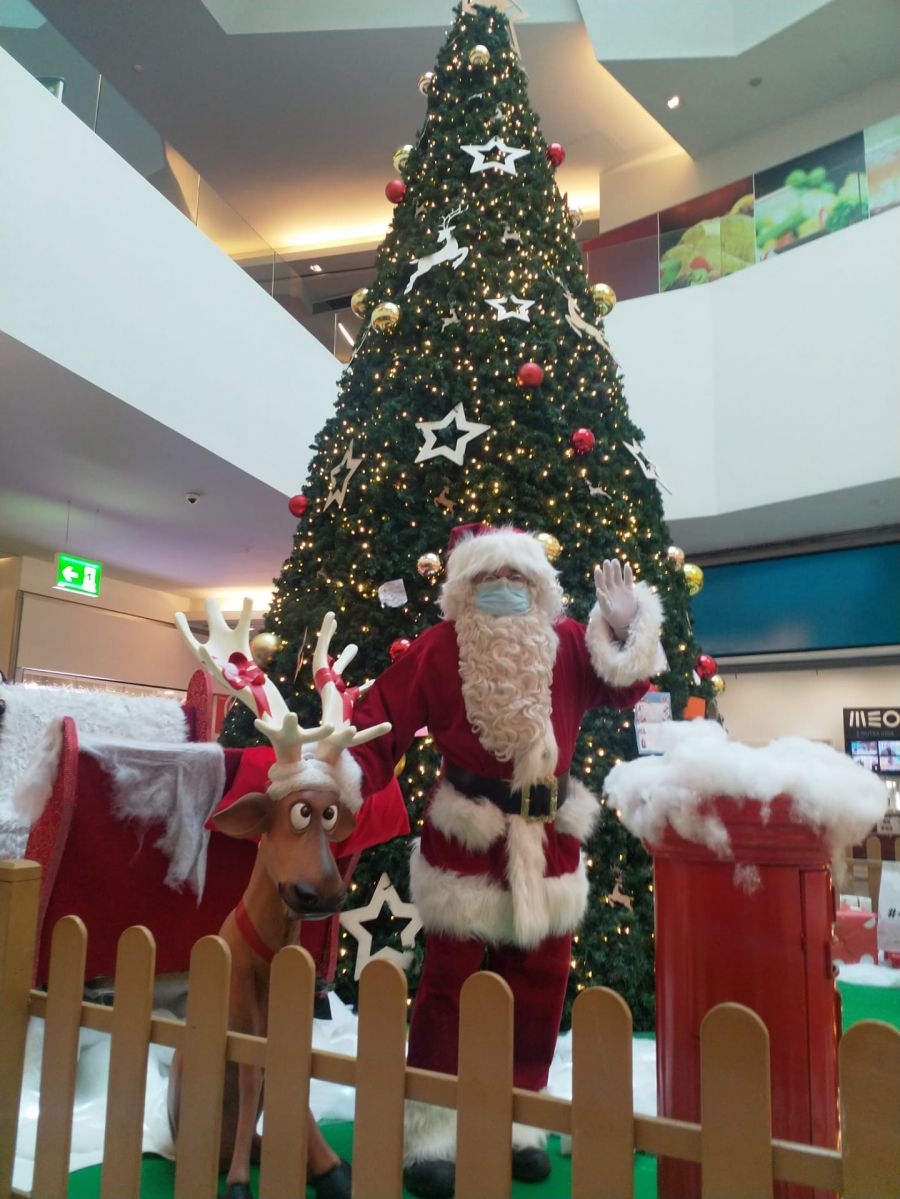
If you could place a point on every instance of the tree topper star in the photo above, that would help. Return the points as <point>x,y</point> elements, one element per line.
<point>338,492</point>
<point>518,312</point>
<point>355,920</point>
<point>506,162</point>
<point>468,431</point>
<point>650,471</point>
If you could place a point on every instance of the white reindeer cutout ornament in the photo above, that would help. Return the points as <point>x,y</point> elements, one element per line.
<point>448,249</point>
<point>578,324</point>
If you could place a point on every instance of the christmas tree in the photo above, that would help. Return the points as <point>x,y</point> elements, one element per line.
<point>482,388</point>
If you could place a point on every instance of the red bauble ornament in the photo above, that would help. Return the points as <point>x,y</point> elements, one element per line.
<point>530,375</point>
<point>706,666</point>
<point>298,505</point>
<point>395,191</point>
<point>398,648</point>
<point>556,155</point>
<point>583,441</point>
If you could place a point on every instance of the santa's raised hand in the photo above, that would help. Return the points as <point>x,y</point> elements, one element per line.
<point>615,596</point>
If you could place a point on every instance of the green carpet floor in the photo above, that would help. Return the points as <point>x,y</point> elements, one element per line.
<point>158,1175</point>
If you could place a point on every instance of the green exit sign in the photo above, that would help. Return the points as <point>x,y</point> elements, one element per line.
<point>77,574</point>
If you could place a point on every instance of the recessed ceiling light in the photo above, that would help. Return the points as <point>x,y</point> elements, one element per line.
<point>315,268</point>
<point>673,102</point>
<point>138,67</point>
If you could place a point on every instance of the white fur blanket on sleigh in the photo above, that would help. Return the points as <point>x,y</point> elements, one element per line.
<point>30,739</point>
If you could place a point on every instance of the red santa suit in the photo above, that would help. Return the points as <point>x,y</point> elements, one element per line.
<point>495,887</point>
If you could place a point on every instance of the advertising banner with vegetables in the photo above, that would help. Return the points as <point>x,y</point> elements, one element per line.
<point>810,196</point>
<point>707,237</point>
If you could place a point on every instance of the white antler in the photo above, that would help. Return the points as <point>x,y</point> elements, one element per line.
<point>337,705</point>
<point>226,654</point>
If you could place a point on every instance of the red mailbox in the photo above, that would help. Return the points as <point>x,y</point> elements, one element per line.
<point>759,935</point>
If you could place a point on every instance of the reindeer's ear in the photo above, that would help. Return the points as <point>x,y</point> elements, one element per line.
<point>346,823</point>
<point>249,816</point>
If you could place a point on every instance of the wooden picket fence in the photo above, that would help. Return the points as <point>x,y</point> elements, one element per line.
<point>733,1144</point>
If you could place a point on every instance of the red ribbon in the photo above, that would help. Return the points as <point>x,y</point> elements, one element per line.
<point>239,672</point>
<point>349,695</point>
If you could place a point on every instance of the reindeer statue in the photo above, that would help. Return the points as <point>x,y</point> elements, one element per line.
<point>448,248</point>
<point>311,800</point>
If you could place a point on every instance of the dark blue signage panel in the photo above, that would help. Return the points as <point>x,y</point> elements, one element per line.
<point>834,600</point>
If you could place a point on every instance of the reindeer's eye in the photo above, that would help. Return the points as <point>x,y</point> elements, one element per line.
<point>329,818</point>
<point>301,814</point>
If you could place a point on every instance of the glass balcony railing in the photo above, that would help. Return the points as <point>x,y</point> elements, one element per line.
<point>35,44</point>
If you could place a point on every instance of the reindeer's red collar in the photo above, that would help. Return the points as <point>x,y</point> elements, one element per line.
<point>250,935</point>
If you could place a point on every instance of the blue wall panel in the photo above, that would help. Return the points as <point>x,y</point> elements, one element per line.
<point>833,600</point>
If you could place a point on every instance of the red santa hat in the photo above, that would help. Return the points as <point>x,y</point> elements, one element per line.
<point>476,549</point>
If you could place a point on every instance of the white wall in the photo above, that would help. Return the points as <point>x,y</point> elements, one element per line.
<point>637,189</point>
<point>128,634</point>
<point>775,383</point>
<point>9,585</point>
<point>760,706</point>
<point>101,274</point>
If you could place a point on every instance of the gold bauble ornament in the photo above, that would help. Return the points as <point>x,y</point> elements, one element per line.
<point>604,298</point>
<point>429,566</point>
<point>675,554</point>
<point>358,301</point>
<point>479,56</point>
<point>425,82</point>
<point>717,683</point>
<point>576,216</point>
<point>551,545</point>
<point>264,647</point>
<point>400,767</point>
<point>385,316</point>
<point>401,156</point>
<point>693,576</point>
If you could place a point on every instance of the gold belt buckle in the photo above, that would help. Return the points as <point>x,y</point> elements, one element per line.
<point>525,809</point>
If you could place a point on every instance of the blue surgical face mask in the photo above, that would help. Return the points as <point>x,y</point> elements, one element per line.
<point>502,598</point>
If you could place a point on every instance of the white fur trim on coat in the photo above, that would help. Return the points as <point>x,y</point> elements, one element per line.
<point>312,774</point>
<point>474,823</point>
<point>578,816</point>
<point>429,1133</point>
<point>477,906</point>
<point>620,665</point>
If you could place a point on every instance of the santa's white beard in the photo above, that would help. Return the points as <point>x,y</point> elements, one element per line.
<point>506,668</point>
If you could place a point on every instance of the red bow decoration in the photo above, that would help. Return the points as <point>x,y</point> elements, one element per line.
<point>239,672</point>
<point>349,695</point>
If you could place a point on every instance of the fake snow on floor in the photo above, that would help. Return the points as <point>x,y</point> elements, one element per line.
<point>328,1100</point>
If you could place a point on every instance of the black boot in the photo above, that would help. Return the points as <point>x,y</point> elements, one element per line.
<point>334,1183</point>
<point>435,1179</point>
<point>530,1165</point>
<point>237,1190</point>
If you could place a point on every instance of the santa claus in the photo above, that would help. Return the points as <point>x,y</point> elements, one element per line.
<point>503,683</point>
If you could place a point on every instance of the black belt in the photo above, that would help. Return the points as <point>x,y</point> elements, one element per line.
<point>536,801</point>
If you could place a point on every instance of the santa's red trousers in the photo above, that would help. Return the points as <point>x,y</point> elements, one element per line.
<point>537,978</point>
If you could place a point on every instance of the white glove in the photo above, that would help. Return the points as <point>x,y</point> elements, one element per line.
<point>615,596</point>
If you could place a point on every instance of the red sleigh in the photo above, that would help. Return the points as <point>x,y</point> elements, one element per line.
<point>109,873</point>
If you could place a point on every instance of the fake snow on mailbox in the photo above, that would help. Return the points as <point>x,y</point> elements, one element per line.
<point>742,841</point>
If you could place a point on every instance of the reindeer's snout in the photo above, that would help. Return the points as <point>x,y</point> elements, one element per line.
<point>311,903</point>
